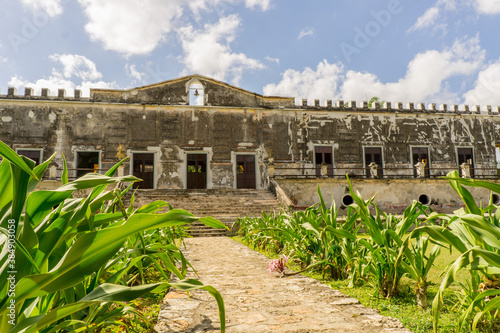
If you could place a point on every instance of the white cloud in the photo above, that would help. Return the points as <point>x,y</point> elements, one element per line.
<point>486,87</point>
<point>198,5</point>
<point>276,60</point>
<point>321,83</point>
<point>427,20</point>
<point>306,32</point>
<point>77,65</point>
<point>73,67</point>
<point>3,59</point>
<point>133,73</point>
<point>487,6</point>
<point>208,51</point>
<point>128,26</point>
<point>51,7</point>
<point>425,79</point>
<point>263,4</point>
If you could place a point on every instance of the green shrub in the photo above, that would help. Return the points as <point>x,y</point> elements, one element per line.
<point>70,263</point>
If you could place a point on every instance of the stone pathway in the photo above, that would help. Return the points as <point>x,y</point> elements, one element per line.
<point>256,302</point>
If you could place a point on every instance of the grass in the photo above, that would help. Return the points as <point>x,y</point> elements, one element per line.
<point>403,307</point>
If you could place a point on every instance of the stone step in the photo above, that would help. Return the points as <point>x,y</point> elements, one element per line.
<point>226,205</point>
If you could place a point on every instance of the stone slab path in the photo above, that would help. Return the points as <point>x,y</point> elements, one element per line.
<point>256,302</point>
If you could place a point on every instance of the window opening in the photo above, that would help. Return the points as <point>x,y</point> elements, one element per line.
<point>86,162</point>
<point>465,155</point>
<point>421,154</point>
<point>323,154</point>
<point>34,154</point>
<point>374,154</point>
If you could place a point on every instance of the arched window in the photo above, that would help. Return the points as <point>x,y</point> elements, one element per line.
<point>196,95</point>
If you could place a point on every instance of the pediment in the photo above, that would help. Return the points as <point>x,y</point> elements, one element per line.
<point>176,92</point>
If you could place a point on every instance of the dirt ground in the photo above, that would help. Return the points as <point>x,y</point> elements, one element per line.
<point>257,302</point>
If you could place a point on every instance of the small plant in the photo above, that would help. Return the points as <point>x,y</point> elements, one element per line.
<point>278,265</point>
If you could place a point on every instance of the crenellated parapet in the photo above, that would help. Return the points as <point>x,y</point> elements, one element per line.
<point>340,105</point>
<point>45,94</point>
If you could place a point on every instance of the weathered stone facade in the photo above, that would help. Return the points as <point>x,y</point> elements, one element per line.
<point>214,138</point>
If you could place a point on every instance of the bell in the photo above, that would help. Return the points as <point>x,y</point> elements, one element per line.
<point>196,93</point>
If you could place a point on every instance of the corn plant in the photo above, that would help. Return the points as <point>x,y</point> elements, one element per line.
<point>388,257</point>
<point>70,263</point>
<point>475,232</point>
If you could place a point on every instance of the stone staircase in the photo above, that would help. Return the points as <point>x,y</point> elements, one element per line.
<point>225,205</point>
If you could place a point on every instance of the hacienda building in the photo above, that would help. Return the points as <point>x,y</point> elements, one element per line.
<point>195,132</point>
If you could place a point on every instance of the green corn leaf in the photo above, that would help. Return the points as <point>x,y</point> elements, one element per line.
<point>64,175</point>
<point>91,180</point>
<point>213,223</point>
<point>492,305</point>
<point>463,193</point>
<point>39,171</point>
<point>91,251</point>
<point>110,173</point>
<point>10,155</point>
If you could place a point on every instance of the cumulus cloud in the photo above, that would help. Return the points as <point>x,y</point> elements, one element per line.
<point>207,51</point>
<point>75,68</point>
<point>486,88</point>
<point>306,32</point>
<point>51,7</point>
<point>77,65</point>
<point>128,26</point>
<point>487,6</point>
<point>319,83</point>
<point>425,78</point>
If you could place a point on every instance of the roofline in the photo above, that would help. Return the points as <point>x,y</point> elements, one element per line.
<point>153,85</point>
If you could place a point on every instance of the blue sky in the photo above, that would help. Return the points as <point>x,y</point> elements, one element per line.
<point>439,51</point>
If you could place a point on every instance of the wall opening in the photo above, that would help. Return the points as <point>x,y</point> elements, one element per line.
<point>421,154</point>
<point>374,154</point>
<point>496,199</point>
<point>323,154</point>
<point>245,171</point>
<point>33,154</point>
<point>196,171</point>
<point>143,166</point>
<point>424,199</point>
<point>465,155</point>
<point>196,95</point>
<point>86,162</point>
<point>347,200</point>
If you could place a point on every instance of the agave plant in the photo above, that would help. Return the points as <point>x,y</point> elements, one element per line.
<point>474,231</point>
<point>64,260</point>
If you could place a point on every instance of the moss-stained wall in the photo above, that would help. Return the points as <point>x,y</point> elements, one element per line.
<point>146,120</point>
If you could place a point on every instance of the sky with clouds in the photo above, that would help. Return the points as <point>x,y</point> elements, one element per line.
<point>436,51</point>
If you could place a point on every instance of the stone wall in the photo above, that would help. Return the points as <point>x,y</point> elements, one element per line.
<point>157,119</point>
<point>391,195</point>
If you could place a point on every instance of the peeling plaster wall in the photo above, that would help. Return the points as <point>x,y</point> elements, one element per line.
<point>156,118</point>
<point>289,136</point>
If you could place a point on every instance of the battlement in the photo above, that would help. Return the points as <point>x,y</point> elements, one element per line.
<point>399,107</point>
<point>44,95</point>
<point>339,105</point>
